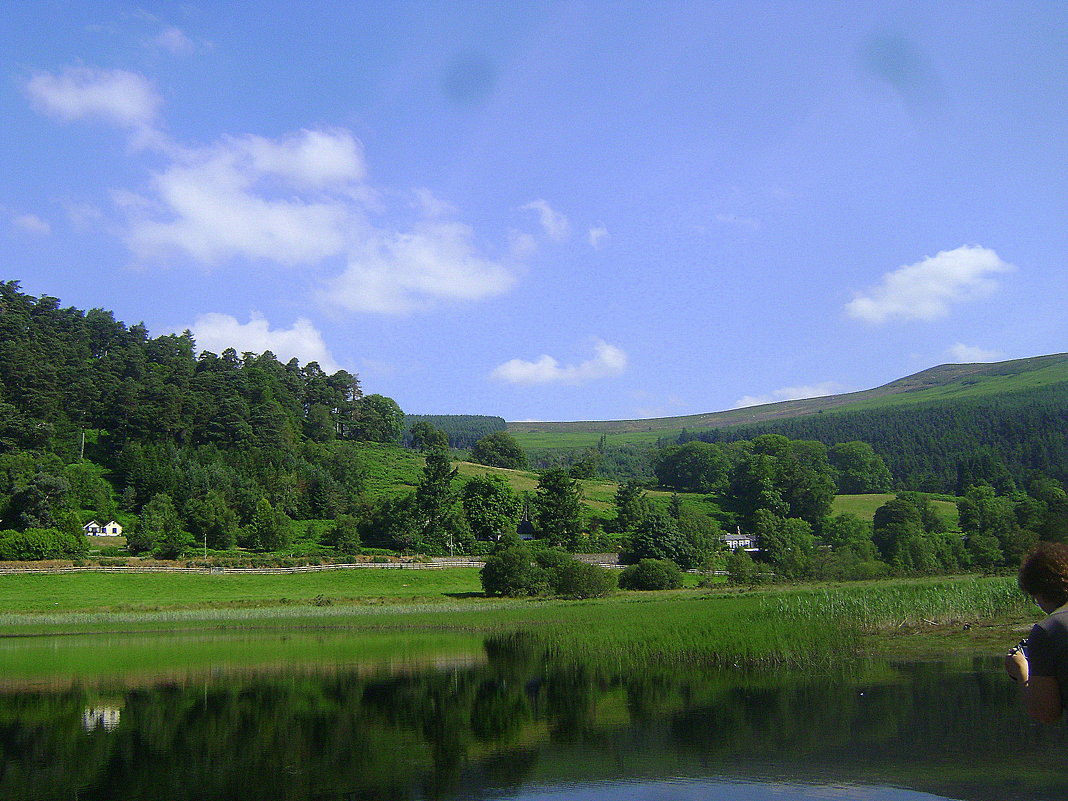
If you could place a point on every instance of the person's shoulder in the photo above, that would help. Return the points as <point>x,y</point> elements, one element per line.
<point>1055,623</point>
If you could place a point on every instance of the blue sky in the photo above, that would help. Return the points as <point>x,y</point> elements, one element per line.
<point>550,210</point>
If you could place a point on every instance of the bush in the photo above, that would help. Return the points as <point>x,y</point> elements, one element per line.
<point>574,579</point>
<point>42,543</point>
<point>511,572</point>
<point>741,569</point>
<point>651,574</point>
<point>551,558</point>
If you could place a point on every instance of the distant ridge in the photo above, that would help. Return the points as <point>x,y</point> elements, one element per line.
<point>944,382</point>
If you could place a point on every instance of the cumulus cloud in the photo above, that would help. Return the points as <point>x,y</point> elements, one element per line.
<point>310,158</point>
<point>299,200</point>
<point>212,204</point>
<point>121,97</point>
<point>597,237</point>
<point>216,332</point>
<point>966,354</point>
<point>32,224</point>
<point>398,272</point>
<point>242,198</point>
<point>608,361</point>
<point>925,290</point>
<point>555,224</point>
<point>791,393</point>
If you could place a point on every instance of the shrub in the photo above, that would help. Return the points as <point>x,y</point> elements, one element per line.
<point>511,572</point>
<point>651,574</point>
<point>42,543</point>
<point>551,558</point>
<point>741,569</point>
<point>574,579</point>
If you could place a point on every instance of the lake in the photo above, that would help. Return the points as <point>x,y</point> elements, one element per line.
<point>333,716</point>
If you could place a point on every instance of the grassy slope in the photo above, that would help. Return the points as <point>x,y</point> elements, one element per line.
<point>946,382</point>
<point>864,506</point>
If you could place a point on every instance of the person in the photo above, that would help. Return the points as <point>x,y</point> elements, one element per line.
<point>1040,663</point>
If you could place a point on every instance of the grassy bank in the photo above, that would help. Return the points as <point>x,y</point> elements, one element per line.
<point>142,592</point>
<point>774,626</point>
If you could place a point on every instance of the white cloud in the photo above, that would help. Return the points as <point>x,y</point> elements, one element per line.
<point>242,198</point>
<point>174,40</point>
<point>209,207</point>
<point>217,332</point>
<point>609,361</point>
<point>398,272</point>
<point>556,226</point>
<point>966,354</point>
<point>32,224</point>
<point>310,159</point>
<point>791,393</point>
<point>121,97</point>
<point>925,290</point>
<point>300,200</point>
<point>597,237</point>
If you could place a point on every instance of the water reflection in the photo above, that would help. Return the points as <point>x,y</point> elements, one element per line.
<point>514,724</point>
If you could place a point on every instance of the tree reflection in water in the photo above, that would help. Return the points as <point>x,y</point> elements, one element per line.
<point>520,724</point>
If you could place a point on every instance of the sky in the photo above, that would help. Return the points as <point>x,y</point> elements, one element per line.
<point>550,210</point>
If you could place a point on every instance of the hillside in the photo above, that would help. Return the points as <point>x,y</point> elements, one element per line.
<point>945,382</point>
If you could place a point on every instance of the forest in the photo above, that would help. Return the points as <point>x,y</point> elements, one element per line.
<point>240,453</point>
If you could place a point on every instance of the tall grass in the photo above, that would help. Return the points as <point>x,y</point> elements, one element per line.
<point>873,608</point>
<point>775,627</point>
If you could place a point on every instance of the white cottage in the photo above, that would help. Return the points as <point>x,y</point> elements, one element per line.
<point>109,529</point>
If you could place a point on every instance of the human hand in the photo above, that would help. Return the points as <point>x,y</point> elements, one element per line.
<point>1016,664</point>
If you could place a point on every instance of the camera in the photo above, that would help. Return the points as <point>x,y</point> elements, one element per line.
<point>1020,646</point>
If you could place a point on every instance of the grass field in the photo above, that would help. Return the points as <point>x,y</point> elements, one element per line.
<point>144,591</point>
<point>864,506</point>
<point>800,626</point>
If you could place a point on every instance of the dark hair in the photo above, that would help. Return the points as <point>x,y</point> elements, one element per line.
<point>1044,572</point>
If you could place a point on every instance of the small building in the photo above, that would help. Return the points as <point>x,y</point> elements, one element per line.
<point>738,540</point>
<point>109,529</point>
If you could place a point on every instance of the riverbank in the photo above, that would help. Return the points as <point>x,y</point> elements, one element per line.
<point>804,625</point>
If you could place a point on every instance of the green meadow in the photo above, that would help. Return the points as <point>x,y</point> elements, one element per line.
<point>799,626</point>
<point>108,592</point>
<point>864,506</point>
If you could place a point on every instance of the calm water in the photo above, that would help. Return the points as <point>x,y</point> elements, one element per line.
<point>462,719</point>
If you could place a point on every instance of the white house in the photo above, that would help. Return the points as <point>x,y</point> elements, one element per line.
<point>110,529</point>
<point>745,542</point>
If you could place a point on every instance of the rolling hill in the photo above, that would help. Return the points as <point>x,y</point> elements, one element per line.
<point>945,382</point>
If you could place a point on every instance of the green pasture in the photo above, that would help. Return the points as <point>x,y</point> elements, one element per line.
<point>143,591</point>
<point>389,470</point>
<point>518,480</point>
<point>773,626</point>
<point>864,506</point>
